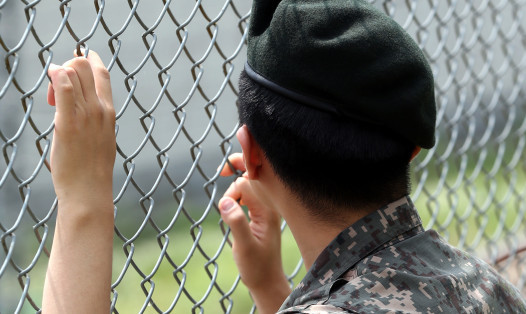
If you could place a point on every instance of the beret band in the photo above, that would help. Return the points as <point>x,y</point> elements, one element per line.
<point>298,97</point>
<point>301,98</point>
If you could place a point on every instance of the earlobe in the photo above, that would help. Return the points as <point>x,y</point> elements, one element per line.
<point>251,152</point>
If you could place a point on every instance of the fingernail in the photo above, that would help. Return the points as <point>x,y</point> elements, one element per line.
<point>226,204</point>
<point>53,66</point>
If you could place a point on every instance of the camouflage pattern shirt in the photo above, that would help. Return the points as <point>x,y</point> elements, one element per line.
<point>387,263</point>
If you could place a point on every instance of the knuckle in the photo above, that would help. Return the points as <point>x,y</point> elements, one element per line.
<point>241,181</point>
<point>110,112</point>
<point>67,88</point>
<point>70,71</point>
<point>80,62</point>
<point>75,63</point>
<point>237,217</point>
<point>61,71</point>
<point>101,72</point>
<point>97,112</point>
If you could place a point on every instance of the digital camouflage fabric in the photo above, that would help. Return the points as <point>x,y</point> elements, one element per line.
<point>387,263</point>
<point>344,57</point>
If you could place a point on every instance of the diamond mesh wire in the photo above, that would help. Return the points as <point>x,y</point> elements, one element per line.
<point>174,68</point>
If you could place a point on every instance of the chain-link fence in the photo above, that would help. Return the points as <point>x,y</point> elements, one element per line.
<point>174,68</point>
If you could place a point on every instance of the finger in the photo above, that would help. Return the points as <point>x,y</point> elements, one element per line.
<point>63,90</point>
<point>236,160</point>
<point>235,190</point>
<point>85,75</point>
<point>235,218</point>
<point>102,78</point>
<point>50,90</point>
<point>50,95</point>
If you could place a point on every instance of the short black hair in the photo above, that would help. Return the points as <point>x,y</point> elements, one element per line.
<point>326,160</point>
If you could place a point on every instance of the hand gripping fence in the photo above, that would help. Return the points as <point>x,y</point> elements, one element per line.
<point>174,68</point>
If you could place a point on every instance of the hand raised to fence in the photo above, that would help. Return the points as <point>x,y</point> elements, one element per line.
<point>256,243</point>
<point>83,150</point>
<point>78,278</point>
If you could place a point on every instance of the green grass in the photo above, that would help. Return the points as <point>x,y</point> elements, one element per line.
<point>197,271</point>
<point>131,297</point>
<point>473,213</point>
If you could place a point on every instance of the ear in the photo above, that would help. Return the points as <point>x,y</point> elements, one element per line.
<point>252,153</point>
<point>415,152</point>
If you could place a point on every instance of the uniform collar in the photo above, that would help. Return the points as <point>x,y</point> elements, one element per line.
<point>385,226</point>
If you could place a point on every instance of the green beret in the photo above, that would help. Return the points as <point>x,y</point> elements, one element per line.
<point>345,57</point>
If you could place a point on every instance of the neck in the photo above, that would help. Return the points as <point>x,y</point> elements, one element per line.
<point>311,234</point>
<point>311,238</point>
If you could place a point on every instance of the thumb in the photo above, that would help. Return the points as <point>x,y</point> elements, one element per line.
<point>235,218</point>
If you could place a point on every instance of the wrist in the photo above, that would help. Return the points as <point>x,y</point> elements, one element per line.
<point>85,194</point>
<point>85,209</point>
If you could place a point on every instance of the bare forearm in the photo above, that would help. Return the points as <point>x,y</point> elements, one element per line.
<point>78,278</point>
<point>268,299</point>
<point>82,155</point>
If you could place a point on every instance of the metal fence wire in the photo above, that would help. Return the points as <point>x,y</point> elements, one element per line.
<point>174,68</point>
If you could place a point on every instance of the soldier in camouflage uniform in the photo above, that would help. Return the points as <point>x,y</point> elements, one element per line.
<point>335,100</point>
<point>387,262</point>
